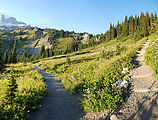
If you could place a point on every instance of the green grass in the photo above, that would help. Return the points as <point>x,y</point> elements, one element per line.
<point>84,73</point>
<point>151,56</point>
<point>31,89</point>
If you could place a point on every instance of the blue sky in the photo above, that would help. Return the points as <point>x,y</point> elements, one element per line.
<point>93,16</point>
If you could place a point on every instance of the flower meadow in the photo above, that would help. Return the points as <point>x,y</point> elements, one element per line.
<point>21,89</point>
<point>151,56</point>
<point>95,76</point>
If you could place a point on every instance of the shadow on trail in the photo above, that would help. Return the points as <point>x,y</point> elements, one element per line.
<point>146,113</point>
<point>59,104</point>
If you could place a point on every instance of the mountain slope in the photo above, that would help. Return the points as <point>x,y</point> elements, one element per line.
<point>33,38</point>
<point>11,23</point>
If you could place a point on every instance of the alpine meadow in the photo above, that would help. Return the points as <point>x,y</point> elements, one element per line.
<point>69,72</point>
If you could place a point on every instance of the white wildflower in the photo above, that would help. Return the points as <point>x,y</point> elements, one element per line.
<point>88,91</point>
<point>125,70</point>
<point>94,88</point>
<point>121,83</point>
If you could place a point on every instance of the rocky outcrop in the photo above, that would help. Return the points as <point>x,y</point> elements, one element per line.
<point>45,41</point>
<point>86,38</point>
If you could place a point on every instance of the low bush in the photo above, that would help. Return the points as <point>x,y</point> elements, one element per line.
<point>21,89</point>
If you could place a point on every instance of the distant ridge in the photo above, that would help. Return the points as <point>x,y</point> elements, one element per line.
<point>11,23</point>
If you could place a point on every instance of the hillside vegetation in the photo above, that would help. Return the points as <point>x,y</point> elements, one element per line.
<point>21,89</point>
<point>88,65</point>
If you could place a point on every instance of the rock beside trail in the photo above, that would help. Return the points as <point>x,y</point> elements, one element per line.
<point>113,117</point>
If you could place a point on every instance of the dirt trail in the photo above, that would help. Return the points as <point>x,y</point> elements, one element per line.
<point>142,103</point>
<point>60,104</point>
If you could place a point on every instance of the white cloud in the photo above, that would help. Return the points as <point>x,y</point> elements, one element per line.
<point>2,11</point>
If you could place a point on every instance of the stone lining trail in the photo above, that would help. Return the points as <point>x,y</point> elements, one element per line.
<point>142,103</point>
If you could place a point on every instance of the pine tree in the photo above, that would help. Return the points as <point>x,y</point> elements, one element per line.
<point>125,27</point>
<point>155,18</point>
<point>25,56</point>
<point>131,24</point>
<point>10,59</point>
<point>142,21</point>
<point>10,90</point>
<point>13,55</point>
<point>1,63</point>
<point>147,19</point>
<point>51,52</point>
<point>47,52</point>
<point>135,23</point>
<point>110,32</point>
<point>143,25</point>
<point>42,52</point>
<point>113,32</point>
<point>5,61</point>
<point>151,18</point>
<point>118,29</point>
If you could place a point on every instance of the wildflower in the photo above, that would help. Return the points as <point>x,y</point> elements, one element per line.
<point>121,83</point>
<point>94,88</point>
<point>84,86</point>
<point>125,70</point>
<point>88,91</point>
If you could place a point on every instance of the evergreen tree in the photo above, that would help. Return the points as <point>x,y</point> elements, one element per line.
<point>125,27</point>
<point>42,52</point>
<point>143,25</point>
<point>1,63</point>
<point>51,52</point>
<point>131,24</point>
<point>147,19</point>
<point>142,21</point>
<point>10,90</point>
<point>47,52</point>
<point>135,23</point>
<point>155,18</point>
<point>13,55</point>
<point>118,29</point>
<point>25,56</point>
<point>10,59</point>
<point>138,22</point>
<point>151,18</point>
<point>5,61</point>
<point>113,32</point>
<point>110,32</point>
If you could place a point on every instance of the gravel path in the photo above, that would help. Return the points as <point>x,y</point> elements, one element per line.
<point>59,104</point>
<point>142,103</point>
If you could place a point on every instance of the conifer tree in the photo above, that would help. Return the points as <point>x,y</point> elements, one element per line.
<point>142,21</point>
<point>110,32</point>
<point>147,19</point>
<point>143,25</point>
<point>42,52</point>
<point>125,27</point>
<point>135,23</point>
<point>13,55</point>
<point>1,63</point>
<point>155,18</point>
<point>47,52</point>
<point>131,25</point>
<point>113,32</point>
<point>5,61</point>
<point>9,59</point>
<point>25,56</point>
<point>138,20</point>
<point>118,29</point>
<point>10,90</point>
<point>51,52</point>
<point>151,18</point>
